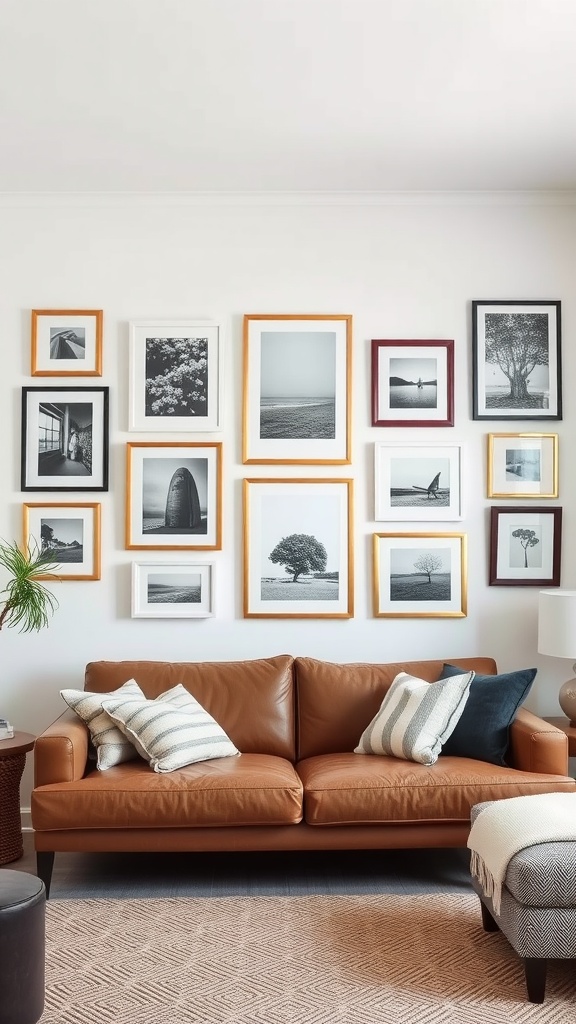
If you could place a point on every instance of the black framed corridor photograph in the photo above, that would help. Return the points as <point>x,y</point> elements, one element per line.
<point>64,439</point>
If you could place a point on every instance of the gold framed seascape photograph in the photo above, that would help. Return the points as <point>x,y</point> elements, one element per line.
<point>297,389</point>
<point>522,465</point>
<point>298,556</point>
<point>67,342</point>
<point>420,575</point>
<point>70,531</point>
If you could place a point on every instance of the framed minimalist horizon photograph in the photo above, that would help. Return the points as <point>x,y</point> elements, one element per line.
<point>523,465</point>
<point>298,556</point>
<point>525,546</point>
<point>67,342</point>
<point>175,375</point>
<point>172,590</point>
<point>174,495</point>
<point>420,482</point>
<point>420,575</point>
<point>70,532</point>
<point>516,360</point>
<point>64,439</point>
<point>297,400</point>
<point>412,383</point>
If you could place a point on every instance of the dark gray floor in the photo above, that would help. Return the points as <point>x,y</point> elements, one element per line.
<point>145,875</point>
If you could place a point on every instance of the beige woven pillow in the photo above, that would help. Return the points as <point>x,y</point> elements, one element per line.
<point>112,746</point>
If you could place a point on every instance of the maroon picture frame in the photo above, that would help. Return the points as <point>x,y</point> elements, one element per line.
<point>421,389</point>
<point>524,518</point>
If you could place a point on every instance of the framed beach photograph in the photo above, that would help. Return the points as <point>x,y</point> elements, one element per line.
<point>175,375</point>
<point>525,546</point>
<point>172,590</point>
<point>64,439</point>
<point>420,575</point>
<point>174,495</point>
<point>298,557</point>
<point>516,365</point>
<point>297,389</point>
<point>418,481</point>
<point>67,342</point>
<point>412,383</point>
<point>71,532</point>
<point>522,465</point>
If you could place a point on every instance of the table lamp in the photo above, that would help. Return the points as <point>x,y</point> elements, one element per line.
<point>557,638</point>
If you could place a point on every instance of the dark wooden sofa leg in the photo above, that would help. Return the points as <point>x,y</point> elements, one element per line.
<point>488,922</point>
<point>44,865</point>
<point>535,972</point>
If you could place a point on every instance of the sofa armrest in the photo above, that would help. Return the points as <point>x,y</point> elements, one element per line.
<point>537,746</point>
<point>61,751</point>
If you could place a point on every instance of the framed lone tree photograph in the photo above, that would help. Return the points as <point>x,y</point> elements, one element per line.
<point>420,575</point>
<point>525,546</point>
<point>516,369</point>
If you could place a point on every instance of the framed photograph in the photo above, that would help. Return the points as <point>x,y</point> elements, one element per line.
<point>67,342</point>
<point>522,465</point>
<point>175,379</point>
<point>525,547</point>
<point>174,495</point>
<point>418,481</point>
<point>298,557</point>
<point>297,389</point>
<point>516,366</point>
<point>71,532</point>
<point>172,590</point>
<point>412,383</point>
<point>420,575</point>
<point>64,439</point>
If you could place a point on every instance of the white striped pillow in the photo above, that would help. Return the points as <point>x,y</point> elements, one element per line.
<point>416,718</point>
<point>112,746</point>
<point>172,731</point>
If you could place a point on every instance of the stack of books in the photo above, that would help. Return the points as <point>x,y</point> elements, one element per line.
<point>6,730</point>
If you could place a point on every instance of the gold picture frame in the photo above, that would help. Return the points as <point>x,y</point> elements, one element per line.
<point>406,564</point>
<point>71,530</point>
<point>522,465</point>
<point>67,342</point>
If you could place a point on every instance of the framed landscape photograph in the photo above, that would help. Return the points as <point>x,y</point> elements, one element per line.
<point>418,481</point>
<point>516,366</point>
<point>71,532</point>
<point>297,389</point>
<point>64,439</point>
<point>525,546</point>
<point>174,495</point>
<point>298,558</point>
<point>412,383</point>
<point>522,465</point>
<point>175,375</point>
<point>67,342</point>
<point>420,575</point>
<point>172,590</point>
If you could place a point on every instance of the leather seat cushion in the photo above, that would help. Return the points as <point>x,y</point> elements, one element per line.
<point>252,789</point>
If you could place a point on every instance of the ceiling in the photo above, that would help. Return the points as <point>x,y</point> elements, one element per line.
<point>287,95</point>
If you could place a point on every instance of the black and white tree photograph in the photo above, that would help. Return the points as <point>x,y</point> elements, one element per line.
<point>172,590</point>
<point>420,575</point>
<point>418,481</point>
<point>70,532</point>
<point>67,342</point>
<point>65,439</point>
<point>525,546</point>
<point>517,360</point>
<point>64,538</point>
<point>412,383</point>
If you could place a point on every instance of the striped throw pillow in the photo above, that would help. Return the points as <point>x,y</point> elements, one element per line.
<point>112,746</point>
<point>172,731</point>
<point>416,717</point>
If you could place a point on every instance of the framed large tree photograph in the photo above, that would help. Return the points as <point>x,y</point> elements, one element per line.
<point>516,369</point>
<point>420,575</point>
<point>525,546</point>
<point>298,559</point>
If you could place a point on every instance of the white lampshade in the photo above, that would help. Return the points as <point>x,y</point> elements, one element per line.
<point>557,623</point>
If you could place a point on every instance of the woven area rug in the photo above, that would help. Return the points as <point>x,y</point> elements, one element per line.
<point>385,959</point>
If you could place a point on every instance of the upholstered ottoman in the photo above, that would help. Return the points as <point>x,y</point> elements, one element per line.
<point>22,934</point>
<point>538,907</point>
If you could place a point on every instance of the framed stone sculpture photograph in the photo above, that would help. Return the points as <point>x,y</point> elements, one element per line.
<point>522,465</point>
<point>412,383</point>
<point>418,481</point>
<point>66,343</point>
<point>70,531</point>
<point>525,546</point>
<point>64,439</point>
<point>420,575</point>
<point>297,389</point>
<point>172,590</point>
<point>174,495</point>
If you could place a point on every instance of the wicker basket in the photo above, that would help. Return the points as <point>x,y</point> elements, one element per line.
<point>11,769</point>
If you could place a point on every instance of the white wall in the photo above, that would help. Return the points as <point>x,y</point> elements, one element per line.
<point>404,269</point>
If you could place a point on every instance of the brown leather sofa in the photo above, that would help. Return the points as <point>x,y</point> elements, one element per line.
<point>297,784</point>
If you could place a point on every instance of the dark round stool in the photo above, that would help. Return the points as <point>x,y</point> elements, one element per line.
<point>22,942</point>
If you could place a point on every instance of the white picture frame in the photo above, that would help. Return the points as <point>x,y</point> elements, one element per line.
<point>418,482</point>
<point>172,590</point>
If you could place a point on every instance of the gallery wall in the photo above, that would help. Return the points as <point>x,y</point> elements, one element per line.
<point>403,268</point>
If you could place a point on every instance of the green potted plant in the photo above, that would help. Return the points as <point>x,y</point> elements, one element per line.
<point>27,602</point>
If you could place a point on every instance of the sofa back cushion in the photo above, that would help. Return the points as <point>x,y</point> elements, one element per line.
<point>336,702</point>
<point>253,701</point>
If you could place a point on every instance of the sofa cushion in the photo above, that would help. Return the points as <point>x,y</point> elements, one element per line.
<point>172,731</point>
<point>416,717</point>
<point>112,746</point>
<point>483,728</point>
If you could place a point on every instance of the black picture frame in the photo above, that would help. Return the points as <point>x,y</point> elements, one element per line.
<point>65,439</point>
<point>525,546</point>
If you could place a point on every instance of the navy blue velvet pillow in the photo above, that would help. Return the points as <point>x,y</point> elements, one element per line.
<point>482,730</point>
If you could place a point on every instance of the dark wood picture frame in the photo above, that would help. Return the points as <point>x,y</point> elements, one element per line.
<point>400,398</point>
<point>522,524</point>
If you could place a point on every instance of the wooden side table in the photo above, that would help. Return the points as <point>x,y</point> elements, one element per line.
<point>570,730</point>
<point>12,760</point>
